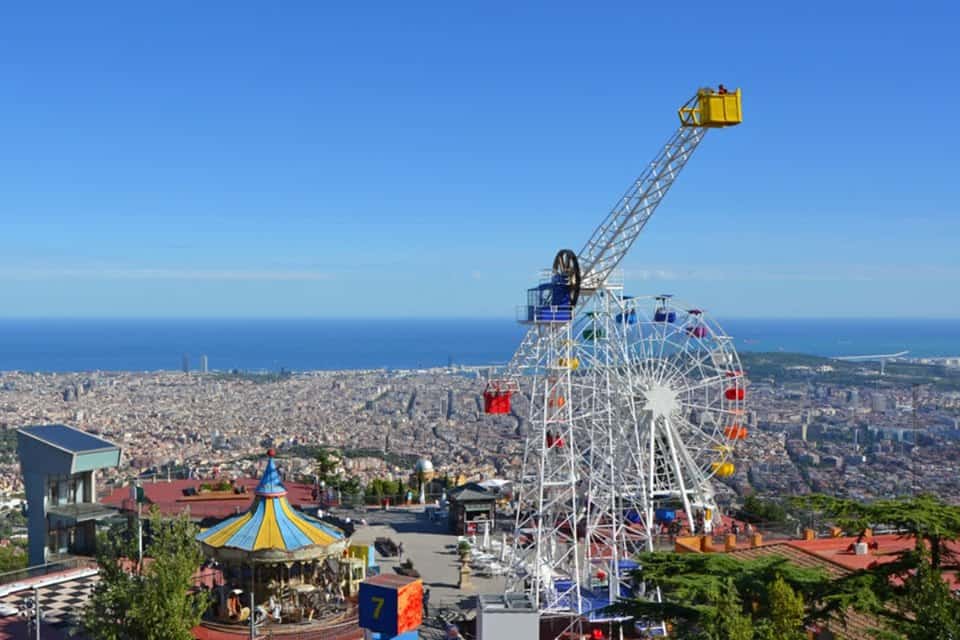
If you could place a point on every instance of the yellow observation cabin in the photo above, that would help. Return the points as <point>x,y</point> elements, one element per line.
<point>713,108</point>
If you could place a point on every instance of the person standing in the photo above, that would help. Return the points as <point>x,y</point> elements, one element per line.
<point>400,552</point>
<point>233,604</point>
<point>426,603</point>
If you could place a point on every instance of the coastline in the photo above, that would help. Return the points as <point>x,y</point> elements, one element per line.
<point>272,345</point>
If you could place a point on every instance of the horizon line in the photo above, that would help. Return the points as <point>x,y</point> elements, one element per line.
<point>512,319</point>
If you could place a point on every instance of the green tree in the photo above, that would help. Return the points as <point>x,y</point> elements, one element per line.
<point>908,595</point>
<point>328,461</point>
<point>768,511</point>
<point>108,612</point>
<point>786,613</point>
<point>701,591</point>
<point>156,602</point>
<point>380,488</point>
<point>373,492</point>
<point>349,489</point>
<point>933,612</point>
<point>12,558</point>
<point>727,621</point>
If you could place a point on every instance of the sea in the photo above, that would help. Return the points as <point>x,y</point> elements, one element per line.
<point>62,345</point>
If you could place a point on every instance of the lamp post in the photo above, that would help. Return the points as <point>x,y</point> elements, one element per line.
<point>31,611</point>
<point>253,616</point>
<point>136,493</point>
<point>36,600</point>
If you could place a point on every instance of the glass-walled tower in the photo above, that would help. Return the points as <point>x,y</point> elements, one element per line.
<point>59,466</point>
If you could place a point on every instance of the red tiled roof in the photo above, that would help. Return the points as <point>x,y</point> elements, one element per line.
<point>170,499</point>
<point>795,555</point>
<point>837,550</point>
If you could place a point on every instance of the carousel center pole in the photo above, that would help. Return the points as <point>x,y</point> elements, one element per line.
<point>253,610</point>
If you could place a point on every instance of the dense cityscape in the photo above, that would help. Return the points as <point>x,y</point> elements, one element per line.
<point>822,426</point>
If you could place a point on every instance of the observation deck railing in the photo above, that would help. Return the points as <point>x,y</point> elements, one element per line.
<point>40,570</point>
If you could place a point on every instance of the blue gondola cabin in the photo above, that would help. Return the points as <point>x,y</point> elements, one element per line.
<point>630,317</point>
<point>550,301</point>
<point>665,516</point>
<point>665,315</point>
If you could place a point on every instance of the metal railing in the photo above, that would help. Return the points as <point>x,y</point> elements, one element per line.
<point>544,314</point>
<point>345,631</point>
<point>346,628</point>
<point>40,570</point>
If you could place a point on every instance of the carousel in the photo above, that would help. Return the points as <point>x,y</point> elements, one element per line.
<point>278,564</point>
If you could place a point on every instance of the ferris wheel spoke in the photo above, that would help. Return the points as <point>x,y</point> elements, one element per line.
<point>705,382</point>
<point>697,362</point>
<point>663,340</point>
<point>675,348</point>
<point>680,362</point>
<point>687,404</point>
<point>695,368</point>
<point>712,436</point>
<point>691,431</point>
<point>657,367</point>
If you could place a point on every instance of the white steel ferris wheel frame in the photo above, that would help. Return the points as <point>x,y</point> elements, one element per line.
<point>622,428</point>
<point>685,382</point>
<point>621,397</point>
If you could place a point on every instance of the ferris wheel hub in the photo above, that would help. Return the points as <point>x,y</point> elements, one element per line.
<point>661,399</point>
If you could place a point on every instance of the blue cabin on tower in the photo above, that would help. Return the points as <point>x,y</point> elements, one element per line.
<point>550,301</point>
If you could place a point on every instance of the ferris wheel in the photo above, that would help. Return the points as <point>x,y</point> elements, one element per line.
<point>686,390</point>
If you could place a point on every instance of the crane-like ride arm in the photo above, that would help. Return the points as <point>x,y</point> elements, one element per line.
<point>611,241</point>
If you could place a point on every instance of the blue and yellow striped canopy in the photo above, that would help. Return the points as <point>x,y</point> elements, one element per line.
<point>270,524</point>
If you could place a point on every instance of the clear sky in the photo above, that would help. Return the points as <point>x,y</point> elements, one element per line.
<point>406,158</point>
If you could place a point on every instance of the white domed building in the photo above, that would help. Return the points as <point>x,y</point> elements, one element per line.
<point>424,466</point>
<point>423,473</point>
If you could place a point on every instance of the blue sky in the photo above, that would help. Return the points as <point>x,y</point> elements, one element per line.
<point>405,159</point>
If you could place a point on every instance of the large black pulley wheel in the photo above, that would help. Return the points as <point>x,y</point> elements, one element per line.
<point>567,265</point>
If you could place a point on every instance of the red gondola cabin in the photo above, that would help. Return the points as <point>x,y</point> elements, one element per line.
<point>735,393</point>
<point>496,397</point>
<point>496,402</point>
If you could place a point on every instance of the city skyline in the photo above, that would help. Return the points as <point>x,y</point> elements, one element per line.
<point>425,161</point>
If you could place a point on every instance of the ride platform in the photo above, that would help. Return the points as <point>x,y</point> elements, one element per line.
<point>340,628</point>
<point>713,109</point>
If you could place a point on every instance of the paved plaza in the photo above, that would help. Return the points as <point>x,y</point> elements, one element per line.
<point>433,551</point>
